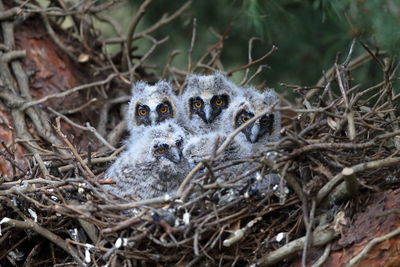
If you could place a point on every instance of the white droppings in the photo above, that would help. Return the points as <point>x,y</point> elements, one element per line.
<point>186,218</point>
<point>73,233</point>
<point>177,222</point>
<point>54,198</point>
<point>167,197</point>
<point>280,237</point>
<point>258,176</point>
<point>81,190</point>
<point>118,243</point>
<point>4,220</point>
<point>33,215</point>
<point>87,256</point>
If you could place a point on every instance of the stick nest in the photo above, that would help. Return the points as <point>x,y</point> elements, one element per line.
<point>339,142</point>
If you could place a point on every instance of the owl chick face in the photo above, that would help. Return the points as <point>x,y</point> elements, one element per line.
<point>206,97</point>
<point>250,104</point>
<point>152,112</point>
<point>151,105</point>
<point>257,129</point>
<point>170,149</point>
<point>208,107</point>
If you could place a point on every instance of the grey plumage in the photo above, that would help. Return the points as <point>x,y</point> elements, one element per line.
<point>152,166</point>
<point>168,135</point>
<point>205,100</point>
<point>199,147</point>
<point>265,129</point>
<point>150,105</point>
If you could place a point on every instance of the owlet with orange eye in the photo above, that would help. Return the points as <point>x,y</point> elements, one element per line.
<point>257,133</point>
<point>153,166</point>
<point>151,105</point>
<point>206,98</point>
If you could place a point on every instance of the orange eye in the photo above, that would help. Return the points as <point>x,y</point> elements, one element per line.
<point>244,119</point>
<point>219,102</point>
<point>164,109</point>
<point>197,104</point>
<point>160,150</point>
<point>142,112</point>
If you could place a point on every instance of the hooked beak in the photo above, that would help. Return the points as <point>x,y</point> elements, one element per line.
<point>153,117</point>
<point>207,112</point>
<point>254,134</point>
<point>175,155</point>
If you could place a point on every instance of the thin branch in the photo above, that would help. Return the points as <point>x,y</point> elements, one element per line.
<point>370,245</point>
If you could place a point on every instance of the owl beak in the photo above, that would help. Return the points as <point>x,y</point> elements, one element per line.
<point>255,131</point>
<point>208,114</point>
<point>175,155</point>
<point>153,117</point>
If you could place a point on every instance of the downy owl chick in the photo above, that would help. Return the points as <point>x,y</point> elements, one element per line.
<point>152,167</point>
<point>206,99</point>
<point>150,105</point>
<point>265,129</point>
<point>198,147</point>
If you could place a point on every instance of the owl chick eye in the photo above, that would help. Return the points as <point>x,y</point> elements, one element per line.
<point>244,119</point>
<point>219,102</point>
<point>197,104</point>
<point>266,120</point>
<point>164,109</point>
<point>142,112</point>
<point>160,150</point>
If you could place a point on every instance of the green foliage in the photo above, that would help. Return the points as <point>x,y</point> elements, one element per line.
<point>308,34</point>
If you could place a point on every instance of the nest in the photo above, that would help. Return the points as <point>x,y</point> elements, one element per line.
<point>341,140</point>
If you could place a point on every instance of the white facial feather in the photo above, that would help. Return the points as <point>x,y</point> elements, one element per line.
<point>206,87</point>
<point>139,171</point>
<point>150,96</point>
<point>254,102</point>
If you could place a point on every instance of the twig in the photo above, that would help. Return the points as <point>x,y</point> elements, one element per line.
<point>132,27</point>
<point>307,240</point>
<point>68,92</point>
<point>370,245</point>
<point>273,49</point>
<point>323,257</point>
<point>73,150</point>
<point>31,225</point>
<point>329,186</point>
<point>189,67</point>
<point>87,128</point>
<point>320,236</point>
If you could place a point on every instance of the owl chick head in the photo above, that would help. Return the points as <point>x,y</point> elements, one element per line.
<point>267,128</point>
<point>207,97</point>
<point>150,105</point>
<point>165,141</point>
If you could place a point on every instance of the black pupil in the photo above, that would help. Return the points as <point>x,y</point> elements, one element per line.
<point>197,102</point>
<point>161,148</point>
<point>142,110</point>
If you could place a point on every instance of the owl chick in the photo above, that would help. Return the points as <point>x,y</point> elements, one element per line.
<point>201,146</point>
<point>150,105</point>
<point>265,129</point>
<point>206,99</point>
<point>152,167</point>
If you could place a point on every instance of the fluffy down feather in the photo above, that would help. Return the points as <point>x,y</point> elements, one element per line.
<point>152,166</point>
<point>205,100</point>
